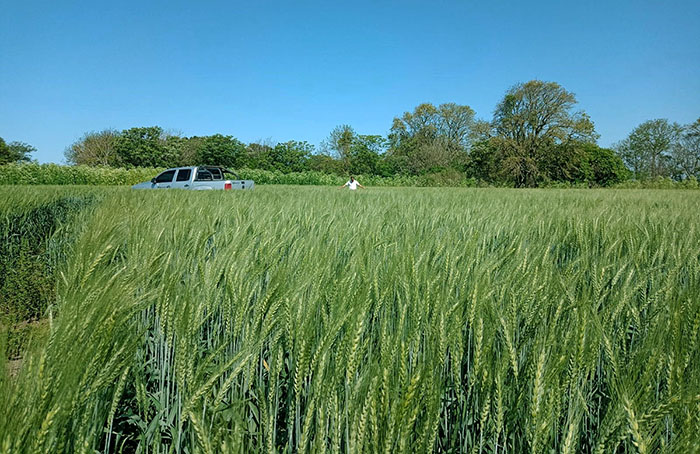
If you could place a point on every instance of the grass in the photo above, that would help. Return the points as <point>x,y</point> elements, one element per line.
<point>35,230</point>
<point>390,320</point>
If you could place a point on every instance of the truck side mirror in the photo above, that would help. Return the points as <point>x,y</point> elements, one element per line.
<point>153,180</point>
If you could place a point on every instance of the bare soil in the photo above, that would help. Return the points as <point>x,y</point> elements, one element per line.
<point>27,333</point>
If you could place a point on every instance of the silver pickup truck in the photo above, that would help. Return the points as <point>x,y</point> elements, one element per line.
<point>197,178</point>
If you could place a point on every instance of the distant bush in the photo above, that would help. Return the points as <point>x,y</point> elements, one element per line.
<point>54,174</point>
<point>564,185</point>
<point>446,178</point>
<point>659,183</point>
<point>300,178</point>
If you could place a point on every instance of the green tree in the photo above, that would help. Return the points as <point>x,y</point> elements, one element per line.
<point>291,156</point>
<point>258,155</point>
<point>686,153</point>
<point>481,131</point>
<point>4,152</point>
<point>565,162</point>
<point>218,150</point>
<point>323,162</point>
<point>482,163</point>
<point>339,144</point>
<point>144,147</point>
<point>15,152</point>
<point>431,138</point>
<point>531,120</point>
<point>637,163</point>
<point>583,162</point>
<point>606,167</point>
<point>183,149</point>
<point>647,150</point>
<point>346,152</point>
<point>96,148</point>
<point>366,155</point>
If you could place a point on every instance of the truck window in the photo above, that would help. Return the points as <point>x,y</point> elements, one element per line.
<point>184,175</point>
<point>165,177</point>
<point>204,175</point>
<point>233,174</point>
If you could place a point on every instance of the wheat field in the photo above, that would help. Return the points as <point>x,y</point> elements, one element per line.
<point>291,319</point>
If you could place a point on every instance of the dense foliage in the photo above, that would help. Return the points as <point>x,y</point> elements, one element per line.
<point>53,174</point>
<point>15,152</point>
<point>537,137</point>
<point>31,250</point>
<point>659,148</point>
<point>393,320</point>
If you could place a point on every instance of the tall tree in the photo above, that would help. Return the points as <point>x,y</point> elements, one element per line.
<point>634,161</point>
<point>482,130</point>
<point>322,162</point>
<point>647,150</point>
<point>183,149</point>
<point>431,138</point>
<point>291,156</point>
<point>606,167</point>
<point>530,121</point>
<point>15,152</point>
<point>366,155</point>
<point>144,147</point>
<point>258,155</point>
<point>96,148</point>
<point>219,150</point>
<point>339,143</point>
<point>483,162</point>
<point>4,152</point>
<point>686,153</point>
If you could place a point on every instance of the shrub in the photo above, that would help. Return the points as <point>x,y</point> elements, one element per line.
<point>54,174</point>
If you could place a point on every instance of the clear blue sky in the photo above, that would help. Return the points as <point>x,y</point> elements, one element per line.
<point>294,70</point>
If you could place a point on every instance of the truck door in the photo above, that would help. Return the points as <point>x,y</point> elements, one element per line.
<point>182,180</point>
<point>165,179</point>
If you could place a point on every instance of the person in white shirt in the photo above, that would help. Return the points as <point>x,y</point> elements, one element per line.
<point>352,184</point>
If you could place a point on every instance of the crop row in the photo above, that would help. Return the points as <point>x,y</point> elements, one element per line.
<point>395,320</point>
<point>35,230</point>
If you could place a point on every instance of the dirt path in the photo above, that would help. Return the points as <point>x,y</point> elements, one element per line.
<point>25,333</point>
<point>13,367</point>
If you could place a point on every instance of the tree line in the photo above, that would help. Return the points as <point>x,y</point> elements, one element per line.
<point>537,136</point>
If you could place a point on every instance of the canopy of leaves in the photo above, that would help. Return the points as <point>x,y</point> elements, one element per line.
<point>647,150</point>
<point>143,147</point>
<point>431,138</point>
<point>95,148</point>
<point>219,150</point>
<point>686,153</point>
<point>537,136</point>
<point>530,122</point>
<point>15,152</point>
